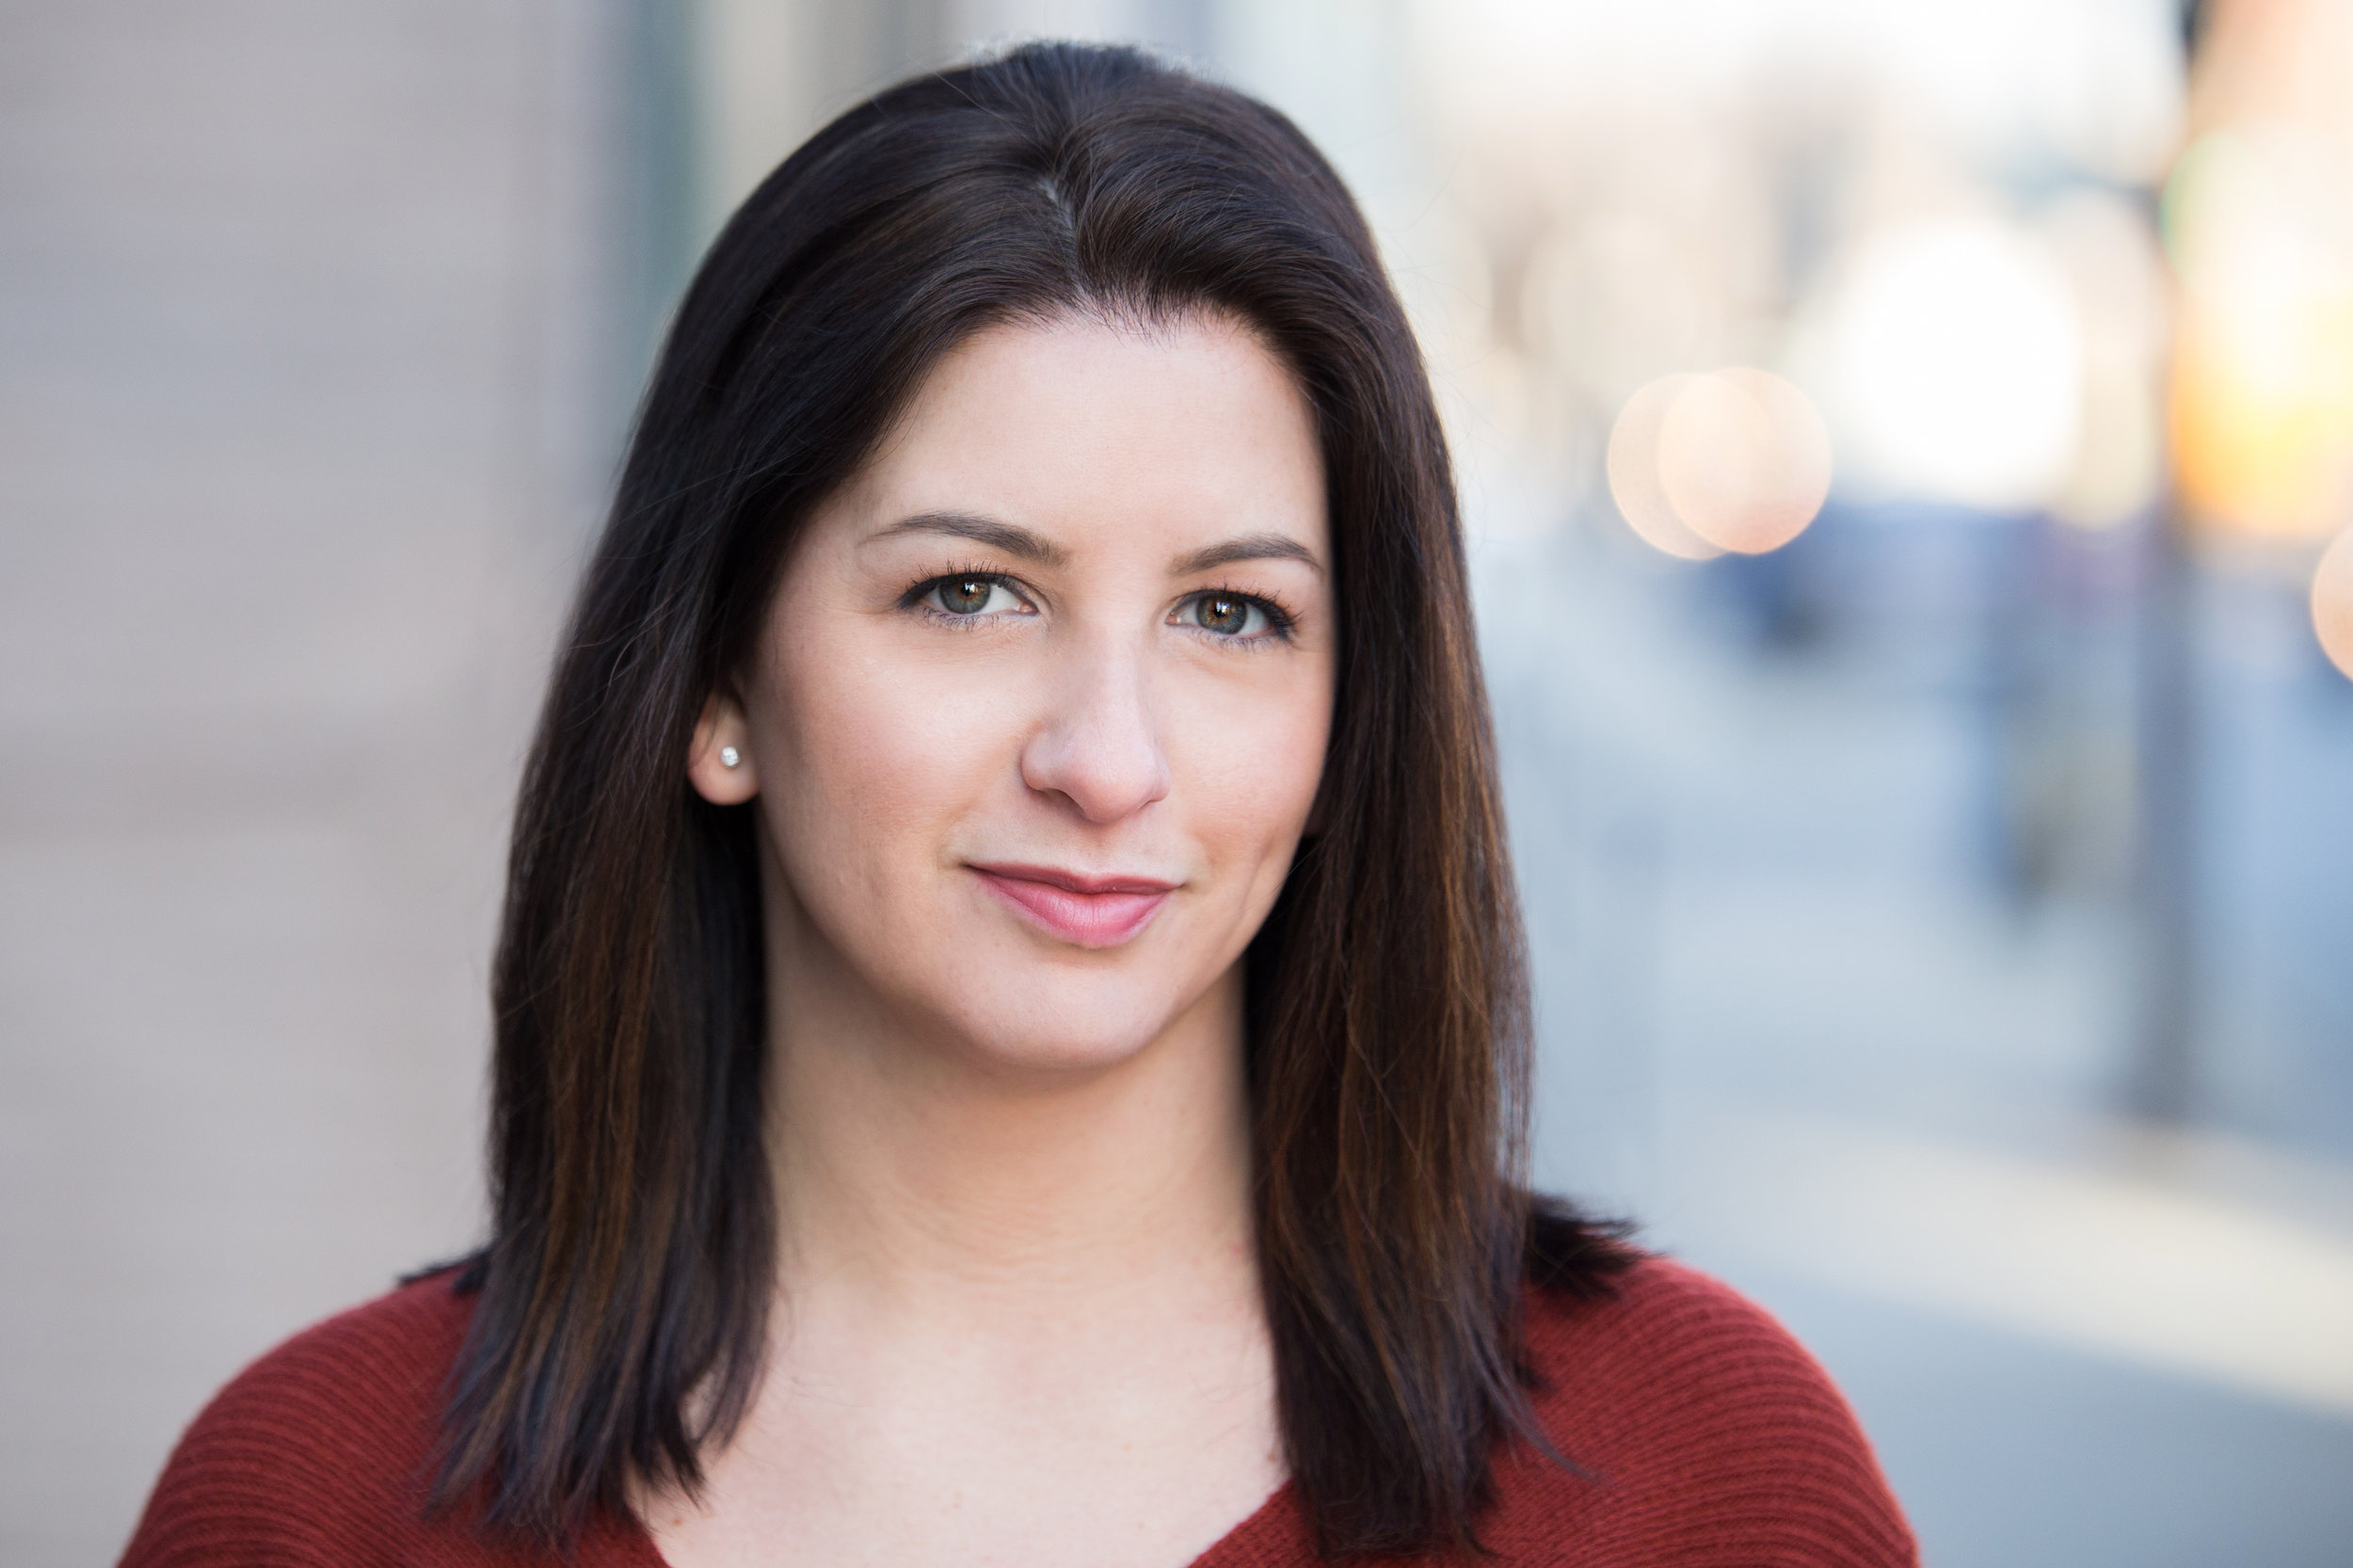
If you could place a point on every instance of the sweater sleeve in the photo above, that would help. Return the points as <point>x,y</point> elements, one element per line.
<point>1707,1436</point>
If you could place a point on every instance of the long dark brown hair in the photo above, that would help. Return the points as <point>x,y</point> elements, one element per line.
<point>624,1293</point>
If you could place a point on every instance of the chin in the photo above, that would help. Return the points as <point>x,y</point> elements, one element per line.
<point>1081,1035</point>
<point>1067,1056</point>
<point>1040,1015</point>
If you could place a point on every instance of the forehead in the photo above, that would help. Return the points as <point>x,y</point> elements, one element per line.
<point>1077,426</point>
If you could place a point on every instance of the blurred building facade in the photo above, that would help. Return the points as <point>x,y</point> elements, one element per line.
<point>318,341</point>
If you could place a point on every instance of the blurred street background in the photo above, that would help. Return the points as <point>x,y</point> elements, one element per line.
<point>1908,447</point>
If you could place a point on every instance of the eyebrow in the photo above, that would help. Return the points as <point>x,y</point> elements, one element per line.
<point>1012,539</point>
<point>1021,543</point>
<point>1247,547</point>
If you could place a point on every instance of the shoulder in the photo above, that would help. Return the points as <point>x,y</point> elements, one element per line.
<point>1704,1430</point>
<point>1689,1344</point>
<point>321,1452</point>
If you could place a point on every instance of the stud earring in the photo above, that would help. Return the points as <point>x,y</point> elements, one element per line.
<point>728,757</point>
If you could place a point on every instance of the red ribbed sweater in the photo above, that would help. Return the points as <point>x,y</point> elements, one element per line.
<point>1711,1440</point>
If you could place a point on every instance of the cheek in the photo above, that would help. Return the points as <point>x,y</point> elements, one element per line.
<point>1250,761</point>
<point>878,758</point>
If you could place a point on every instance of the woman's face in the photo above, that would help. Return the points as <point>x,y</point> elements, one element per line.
<point>1040,707</point>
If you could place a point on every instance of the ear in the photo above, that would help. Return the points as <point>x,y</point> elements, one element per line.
<point>722,728</point>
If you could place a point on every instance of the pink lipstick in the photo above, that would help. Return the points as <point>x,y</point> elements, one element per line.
<point>1088,911</point>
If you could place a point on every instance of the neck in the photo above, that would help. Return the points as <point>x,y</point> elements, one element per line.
<point>922,1182</point>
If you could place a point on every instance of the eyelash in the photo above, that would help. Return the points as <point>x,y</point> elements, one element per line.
<point>1281,623</point>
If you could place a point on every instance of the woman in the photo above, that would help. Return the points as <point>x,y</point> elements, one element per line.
<point>1011,1025</point>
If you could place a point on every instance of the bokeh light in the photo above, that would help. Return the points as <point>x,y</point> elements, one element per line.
<point>1733,460</point>
<point>2262,386</point>
<point>1744,459</point>
<point>1634,478</point>
<point>2333,601</point>
<point>1959,364</point>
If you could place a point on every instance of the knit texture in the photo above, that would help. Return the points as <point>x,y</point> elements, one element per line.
<point>1707,1438</point>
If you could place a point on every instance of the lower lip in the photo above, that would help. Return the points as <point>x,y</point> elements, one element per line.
<point>1087,920</point>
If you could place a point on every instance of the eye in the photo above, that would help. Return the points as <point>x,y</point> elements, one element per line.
<point>1229,615</point>
<point>973,595</point>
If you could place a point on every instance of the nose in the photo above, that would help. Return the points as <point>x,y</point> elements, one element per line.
<point>1099,745</point>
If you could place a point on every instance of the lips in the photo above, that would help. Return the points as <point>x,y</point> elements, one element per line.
<point>1087,911</point>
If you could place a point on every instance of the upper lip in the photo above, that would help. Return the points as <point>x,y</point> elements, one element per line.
<point>1074,882</point>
